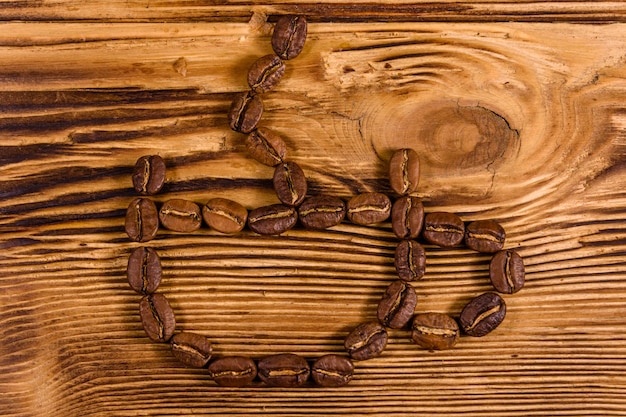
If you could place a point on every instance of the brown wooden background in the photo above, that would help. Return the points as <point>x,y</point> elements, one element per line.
<point>518,111</point>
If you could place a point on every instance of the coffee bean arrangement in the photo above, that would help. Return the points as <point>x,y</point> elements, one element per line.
<point>409,222</point>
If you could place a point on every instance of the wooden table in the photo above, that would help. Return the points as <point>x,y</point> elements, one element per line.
<point>516,109</point>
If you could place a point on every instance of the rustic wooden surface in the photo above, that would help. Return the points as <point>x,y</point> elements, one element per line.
<point>518,111</point>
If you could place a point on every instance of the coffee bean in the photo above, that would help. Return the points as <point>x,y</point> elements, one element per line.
<point>366,341</point>
<point>191,349</point>
<point>368,208</point>
<point>434,331</point>
<point>407,217</point>
<point>245,112</point>
<point>144,270</point>
<point>265,73</point>
<point>332,371</point>
<point>410,260</point>
<point>289,36</point>
<point>180,215</point>
<point>321,212</point>
<point>404,171</point>
<point>443,229</point>
<point>397,306</point>
<point>284,370</point>
<point>225,216</point>
<point>507,272</point>
<point>266,146</point>
<point>233,371</point>
<point>157,317</point>
<point>483,314</point>
<point>142,220</point>
<point>272,220</point>
<point>149,174</point>
<point>484,236</point>
<point>290,183</point>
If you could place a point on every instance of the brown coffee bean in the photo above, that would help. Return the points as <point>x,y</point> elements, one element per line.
<point>332,371</point>
<point>443,229</point>
<point>484,236</point>
<point>289,183</point>
<point>265,73</point>
<point>191,349</point>
<point>321,212</point>
<point>366,341</point>
<point>272,220</point>
<point>266,147</point>
<point>434,331</point>
<point>410,260</point>
<point>180,215</point>
<point>233,371</point>
<point>368,208</point>
<point>404,171</point>
<point>225,216</point>
<point>507,272</point>
<point>157,317</point>
<point>407,217</point>
<point>483,314</point>
<point>142,220</point>
<point>144,270</point>
<point>397,306</point>
<point>284,370</point>
<point>149,174</point>
<point>289,36</point>
<point>245,112</point>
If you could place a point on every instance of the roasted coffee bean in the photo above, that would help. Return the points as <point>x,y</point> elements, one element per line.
<point>443,229</point>
<point>484,236</point>
<point>410,260</point>
<point>273,219</point>
<point>397,306</point>
<point>321,212</point>
<point>180,215</point>
<point>366,341</point>
<point>407,217</point>
<point>434,331</point>
<point>142,220</point>
<point>332,371</point>
<point>144,270</point>
<point>225,216</point>
<point>191,349</point>
<point>233,371</point>
<point>265,73</point>
<point>368,208</point>
<point>149,174</point>
<point>507,272</point>
<point>483,314</point>
<point>266,147</point>
<point>245,112</point>
<point>404,171</point>
<point>289,36</point>
<point>284,370</point>
<point>157,317</point>
<point>290,183</point>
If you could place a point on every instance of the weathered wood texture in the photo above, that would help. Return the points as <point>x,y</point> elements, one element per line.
<point>518,114</point>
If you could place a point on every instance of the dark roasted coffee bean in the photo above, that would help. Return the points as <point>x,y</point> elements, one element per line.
<point>265,73</point>
<point>484,236</point>
<point>273,219</point>
<point>290,183</point>
<point>407,217</point>
<point>410,260</point>
<point>191,349</point>
<point>157,317</point>
<point>443,229</point>
<point>397,306</point>
<point>289,36</point>
<point>368,208</point>
<point>180,215</point>
<point>332,371</point>
<point>245,112</point>
<point>225,216</point>
<point>366,341</point>
<point>149,174</point>
<point>142,220</point>
<point>284,370</point>
<point>404,171</point>
<point>266,147</point>
<point>321,212</point>
<point>233,371</point>
<point>483,314</point>
<point>435,331</point>
<point>144,270</point>
<point>507,272</point>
